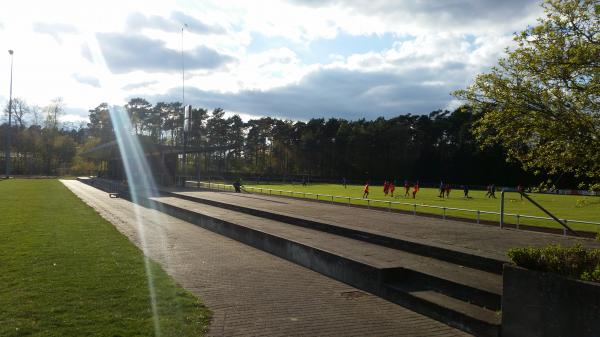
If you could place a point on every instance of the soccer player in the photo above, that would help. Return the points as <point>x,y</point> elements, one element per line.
<point>442,189</point>
<point>366,191</point>
<point>520,190</point>
<point>466,191</point>
<point>392,188</point>
<point>237,185</point>
<point>386,187</point>
<point>493,191</point>
<point>447,188</point>
<point>415,189</point>
<point>406,187</point>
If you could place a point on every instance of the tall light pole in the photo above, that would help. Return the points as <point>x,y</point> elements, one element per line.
<point>7,150</point>
<point>182,68</point>
<point>184,157</point>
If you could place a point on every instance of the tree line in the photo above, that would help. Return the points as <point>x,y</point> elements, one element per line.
<point>428,148</point>
<point>40,143</point>
<point>438,146</point>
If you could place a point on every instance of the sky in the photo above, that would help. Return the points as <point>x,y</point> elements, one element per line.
<point>293,59</point>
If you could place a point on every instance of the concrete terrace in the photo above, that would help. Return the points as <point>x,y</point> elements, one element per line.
<point>485,240</point>
<point>448,270</point>
<point>253,293</point>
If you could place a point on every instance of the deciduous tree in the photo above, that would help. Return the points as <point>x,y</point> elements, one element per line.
<point>542,102</point>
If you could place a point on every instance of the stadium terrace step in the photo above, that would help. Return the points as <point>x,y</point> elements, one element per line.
<point>480,321</point>
<point>384,239</point>
<point>460,296</point>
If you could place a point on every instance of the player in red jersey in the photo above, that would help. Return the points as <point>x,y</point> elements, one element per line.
<point>415,189</point>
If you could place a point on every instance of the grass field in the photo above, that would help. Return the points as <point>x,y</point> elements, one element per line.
<point>65,271</point>
<point>563,206</point>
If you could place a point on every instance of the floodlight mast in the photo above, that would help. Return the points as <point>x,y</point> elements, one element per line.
<point>182,69</point>
<point>7,144</point>
<point>184,156</point>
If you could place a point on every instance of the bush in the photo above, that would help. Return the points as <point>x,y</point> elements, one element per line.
<point>576,262</point>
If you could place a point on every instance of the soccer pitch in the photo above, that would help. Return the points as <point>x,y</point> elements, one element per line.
<point>583,208</point>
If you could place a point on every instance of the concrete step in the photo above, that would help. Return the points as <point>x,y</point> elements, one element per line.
<point>466,284</point>
<point>381,270</point>
<point>384,239</point>
<point>465,316</point>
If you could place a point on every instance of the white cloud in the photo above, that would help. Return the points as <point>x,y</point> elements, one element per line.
<point>439,46</point>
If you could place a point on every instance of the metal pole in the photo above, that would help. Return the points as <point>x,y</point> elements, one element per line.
<point>502,209</point>
<point>550,214</point>
<point>7,150</point>
<point>184,157</point>
<point>182,69</point>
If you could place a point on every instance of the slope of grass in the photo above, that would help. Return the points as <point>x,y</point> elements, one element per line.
<point>563,206</point>
<point>65,271</point>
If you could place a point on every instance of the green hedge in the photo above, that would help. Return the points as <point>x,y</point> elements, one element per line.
<point>576,262</point>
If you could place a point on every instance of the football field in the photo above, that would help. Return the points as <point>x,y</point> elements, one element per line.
<point>582,208</point>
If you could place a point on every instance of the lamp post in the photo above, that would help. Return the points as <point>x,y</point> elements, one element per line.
<point>182,68</point>
<point>7,150</point>
<point>184,157</point>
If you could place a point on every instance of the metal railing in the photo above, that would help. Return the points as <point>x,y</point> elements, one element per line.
<point>388,204</point>
<point>563,223</point>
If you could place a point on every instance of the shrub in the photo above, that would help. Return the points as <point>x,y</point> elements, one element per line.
<point>592,276</point>
<point>576,262</point>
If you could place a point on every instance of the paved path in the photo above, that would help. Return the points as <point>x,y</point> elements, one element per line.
<point>252,293</point>
<point>485,240</point>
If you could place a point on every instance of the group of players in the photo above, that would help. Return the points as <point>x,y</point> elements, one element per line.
<point>389,187</point>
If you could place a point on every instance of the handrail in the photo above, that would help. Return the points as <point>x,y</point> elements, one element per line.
<point>533,202</point>
<point>390,203</point>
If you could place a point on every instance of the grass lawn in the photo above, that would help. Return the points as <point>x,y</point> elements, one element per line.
<point>65,271</point>
<point>563,206</point>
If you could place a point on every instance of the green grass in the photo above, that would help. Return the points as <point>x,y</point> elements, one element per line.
<point>564,206</point>
<point>65,271</point>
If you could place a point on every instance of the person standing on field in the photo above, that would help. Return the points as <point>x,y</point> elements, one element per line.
<point>415,189</point>
<point>392,188</point>
<point>386,187</point>
<point>466,191</point>
<point>447,188</point>
<point>406,187</point>
<point>442,189</point>
<point>520,190</point>
<point>493,191</point>
<point>366,191</point>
